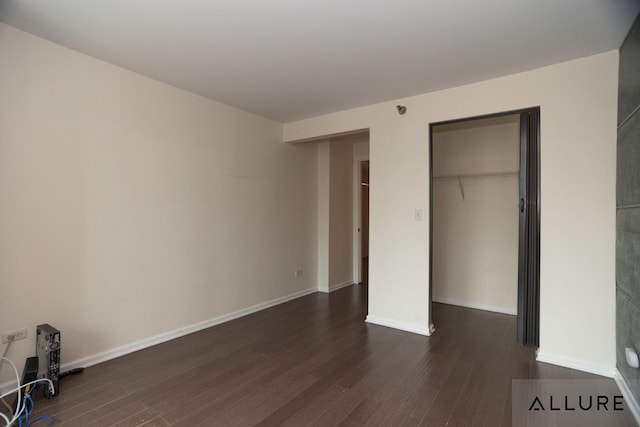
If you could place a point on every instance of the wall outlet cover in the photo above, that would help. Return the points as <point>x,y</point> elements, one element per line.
<point>18,334</point>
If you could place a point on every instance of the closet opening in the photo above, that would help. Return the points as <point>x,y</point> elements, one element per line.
<point>361,220</point>
<point>484,217</point>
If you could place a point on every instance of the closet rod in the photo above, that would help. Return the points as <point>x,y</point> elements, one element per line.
<point>478,175</point>
<point>459,178</point>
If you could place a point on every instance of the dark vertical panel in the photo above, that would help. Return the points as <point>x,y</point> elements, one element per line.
<point>523,234</point>
<point>628,208</point>
<point>628,87</point>
<point>628,158</point>
<point>528,324</point>
<point>534,244</point>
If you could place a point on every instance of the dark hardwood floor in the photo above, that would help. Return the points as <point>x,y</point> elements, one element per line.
<point>311,361</point>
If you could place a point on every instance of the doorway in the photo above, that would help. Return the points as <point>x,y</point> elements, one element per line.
<point>484,222</point>
<point>361,173</point>
<point>363,228</point>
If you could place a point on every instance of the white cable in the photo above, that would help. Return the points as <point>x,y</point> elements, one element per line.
<point>20,407</point>
<point>6,350</point>
<point>19,390</point>
<point>4,354</point>
<point>6,405</point>
<point>41,380</point>
<point>19,411</point>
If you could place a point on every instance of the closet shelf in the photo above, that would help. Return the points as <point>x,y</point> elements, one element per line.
<point>460,177</point>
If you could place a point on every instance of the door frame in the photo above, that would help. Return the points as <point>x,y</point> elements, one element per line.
<point>357,209</point>
<point>528,318</point>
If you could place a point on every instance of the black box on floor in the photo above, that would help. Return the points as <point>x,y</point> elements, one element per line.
<point>48,352</point>
<point>29,373</point>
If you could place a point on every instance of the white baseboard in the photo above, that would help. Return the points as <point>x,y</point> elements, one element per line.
<point>495,309</point>
<point>634,406</point>
<point>580,365</point>
<point>167,336</point>
<point>403,326</point>
<point>340,285</point>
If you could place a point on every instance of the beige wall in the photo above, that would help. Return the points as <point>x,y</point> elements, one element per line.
<point>475,236</point>
<point>130,209</point>
<point>578,131</point>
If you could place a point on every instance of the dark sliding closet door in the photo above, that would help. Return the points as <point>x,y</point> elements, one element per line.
<point>528,325</point>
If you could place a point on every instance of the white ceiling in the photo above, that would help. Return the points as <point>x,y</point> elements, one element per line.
<point>292,59</point>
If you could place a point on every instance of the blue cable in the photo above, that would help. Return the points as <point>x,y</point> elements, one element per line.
<point>25,410</point>
<point>43,417</point>
<point>28,402</point>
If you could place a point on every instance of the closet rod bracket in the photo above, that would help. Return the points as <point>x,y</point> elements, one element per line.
<point>461,186</point>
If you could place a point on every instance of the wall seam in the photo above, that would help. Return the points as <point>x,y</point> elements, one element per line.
<point>629,297</point>
<point>629,206</point>
<point>629,117</point>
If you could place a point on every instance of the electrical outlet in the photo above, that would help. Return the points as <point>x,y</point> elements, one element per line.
<point>297,272</point>
<point>18,334</point>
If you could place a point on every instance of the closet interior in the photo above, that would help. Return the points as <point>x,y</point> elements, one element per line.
<point>475,213</point>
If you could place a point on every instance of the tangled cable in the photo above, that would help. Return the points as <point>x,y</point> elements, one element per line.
<point>25,403</point>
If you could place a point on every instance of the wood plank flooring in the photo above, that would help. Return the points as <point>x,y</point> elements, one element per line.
<point>311,362</point>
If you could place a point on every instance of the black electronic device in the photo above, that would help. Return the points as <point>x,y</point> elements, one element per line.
<point>48,352</point>
<point>29,373</point>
